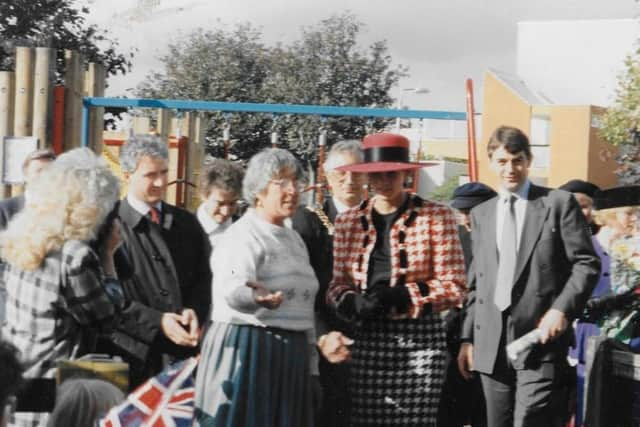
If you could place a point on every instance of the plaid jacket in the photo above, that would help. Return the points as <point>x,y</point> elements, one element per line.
<point>424,250</point>
<point>48,309</point>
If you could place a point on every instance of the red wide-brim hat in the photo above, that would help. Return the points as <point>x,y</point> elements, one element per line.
<point>384,152</point>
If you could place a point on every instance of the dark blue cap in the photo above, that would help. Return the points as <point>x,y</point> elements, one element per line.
<point>580,186</point>
<point>471,194</point>
<point>617,197</point>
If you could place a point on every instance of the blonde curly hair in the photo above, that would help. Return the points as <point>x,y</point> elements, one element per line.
<point>69,200</point>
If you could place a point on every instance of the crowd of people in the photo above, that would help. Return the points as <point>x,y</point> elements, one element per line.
<point>376,308</point>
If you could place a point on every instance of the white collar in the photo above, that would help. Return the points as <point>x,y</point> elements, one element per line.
<point>208,223</point>
<point>141,207</point>
<point>340,207</point>
<point>522,193</point>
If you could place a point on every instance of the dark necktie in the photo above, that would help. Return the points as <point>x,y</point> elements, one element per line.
<point>508,254</point>
<point>154,214</point>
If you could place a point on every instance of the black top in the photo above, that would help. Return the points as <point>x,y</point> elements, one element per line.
<point>379,271</point>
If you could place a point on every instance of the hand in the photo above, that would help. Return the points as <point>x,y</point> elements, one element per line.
<point>396,299</point>
<point>172,327</point>
<point>335,347</point>
<point>190,321</point>
<point>263,297</point>
<point>465,360</point>
<point>552,324</point>
<point>355,306</point>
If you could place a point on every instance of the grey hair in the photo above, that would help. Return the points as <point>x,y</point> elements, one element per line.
<point>80,402</point>
<point>265,166</point>
<point>139,146</point>
<point>350,146</point>
<point>222,174</point>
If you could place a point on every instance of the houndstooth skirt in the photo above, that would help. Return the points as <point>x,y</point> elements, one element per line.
<point>397,372</point>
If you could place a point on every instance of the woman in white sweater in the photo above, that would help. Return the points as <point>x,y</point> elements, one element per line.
<point>259,355</point>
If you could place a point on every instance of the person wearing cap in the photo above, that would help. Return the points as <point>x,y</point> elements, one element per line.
<point>462,401</point>
<point>584,192</point>
<point>533,267</point>
<point>397,265</point>
<point>616,211</point>
<point>465,198</point>
<point>31,168</point>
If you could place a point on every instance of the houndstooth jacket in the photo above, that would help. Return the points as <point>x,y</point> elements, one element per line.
<point>425,249</point>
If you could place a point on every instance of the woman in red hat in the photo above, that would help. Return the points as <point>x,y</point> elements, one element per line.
<point>397,264</point>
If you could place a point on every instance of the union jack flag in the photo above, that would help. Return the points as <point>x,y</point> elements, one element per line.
<point>166,400</point>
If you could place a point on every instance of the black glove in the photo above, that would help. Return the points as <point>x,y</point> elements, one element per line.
<point>354,306</point>
<point>393,297</point>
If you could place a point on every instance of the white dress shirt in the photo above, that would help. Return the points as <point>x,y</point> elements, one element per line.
<point>141,207</point>
<point>520,206</point>
<point>210,226</point>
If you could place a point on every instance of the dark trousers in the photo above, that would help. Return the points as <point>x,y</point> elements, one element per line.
<point>335,402</point>
<point>524,397</point>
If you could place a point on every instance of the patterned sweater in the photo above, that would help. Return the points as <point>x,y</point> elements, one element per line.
<point>425,249</point>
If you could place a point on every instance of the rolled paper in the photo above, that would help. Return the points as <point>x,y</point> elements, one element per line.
<point>525,342</point>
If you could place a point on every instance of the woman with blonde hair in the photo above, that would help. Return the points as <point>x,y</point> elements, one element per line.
<point>59,273</point>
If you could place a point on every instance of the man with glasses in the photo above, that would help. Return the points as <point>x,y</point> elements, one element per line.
<point>315,225</point>
<point>220,190</point>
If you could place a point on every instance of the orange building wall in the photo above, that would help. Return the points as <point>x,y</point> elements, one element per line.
<point>501,107</point>
<point>601,156</point>
<point>569,142</point>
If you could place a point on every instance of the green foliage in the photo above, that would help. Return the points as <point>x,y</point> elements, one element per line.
<point>444,193</point>
<point>325,66</point>
<point>58,24</point>
<point>621,122</point>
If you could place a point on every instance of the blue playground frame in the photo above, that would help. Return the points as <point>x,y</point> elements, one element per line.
<point>247,107</point>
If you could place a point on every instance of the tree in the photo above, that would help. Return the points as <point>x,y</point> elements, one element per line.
<point>621,122</point>
<point>60,25</point>
<point>325,66</point>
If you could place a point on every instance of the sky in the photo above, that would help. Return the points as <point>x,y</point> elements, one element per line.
<point>443,42</point>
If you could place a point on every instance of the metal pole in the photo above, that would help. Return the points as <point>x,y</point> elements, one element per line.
<point>84,142</point>
<point>322,143</point>
<point>471,134</point>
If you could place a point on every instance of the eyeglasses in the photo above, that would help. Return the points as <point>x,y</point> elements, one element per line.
<point>341,176</point>
<point>219,204</point>
<point>286,183</point>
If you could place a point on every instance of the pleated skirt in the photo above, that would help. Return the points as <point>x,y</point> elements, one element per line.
<point>252,376</point>
<point>397,372</point>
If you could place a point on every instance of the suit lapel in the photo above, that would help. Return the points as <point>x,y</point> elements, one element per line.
<point>488,232</point>
<point>536,213</point>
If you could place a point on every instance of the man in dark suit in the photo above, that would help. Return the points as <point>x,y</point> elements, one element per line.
<point>534,267</point>
<point>315,225</point>
<point>33,164</point>
<point>169,284</point>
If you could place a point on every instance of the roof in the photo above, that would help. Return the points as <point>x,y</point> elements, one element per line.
<point>520,88</point>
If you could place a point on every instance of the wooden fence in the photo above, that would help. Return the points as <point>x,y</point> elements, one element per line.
<point>31,104</point>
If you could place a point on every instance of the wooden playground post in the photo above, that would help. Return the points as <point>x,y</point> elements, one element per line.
<point>94,85</point>
<point>195,155</point>
<point>23,101</point>
<point>41,94</point>
<point>6,119</point>
<point>74,84</point>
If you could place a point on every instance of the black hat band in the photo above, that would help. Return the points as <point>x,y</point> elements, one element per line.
<point>386,154</point>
